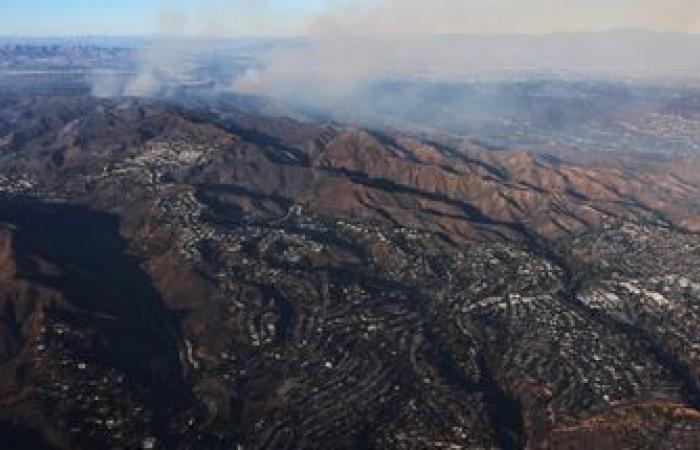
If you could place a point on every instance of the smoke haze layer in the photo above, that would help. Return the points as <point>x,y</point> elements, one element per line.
<point>327,71</point>
<point>504,16</point>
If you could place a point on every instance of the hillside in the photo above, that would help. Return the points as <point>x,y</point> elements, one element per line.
<point>190,277</point>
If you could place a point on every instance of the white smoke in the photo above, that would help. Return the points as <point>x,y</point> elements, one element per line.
<point>504,16</point>
<point>350,44</point>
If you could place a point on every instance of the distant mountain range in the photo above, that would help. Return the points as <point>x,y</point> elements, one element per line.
<point>604,52</point>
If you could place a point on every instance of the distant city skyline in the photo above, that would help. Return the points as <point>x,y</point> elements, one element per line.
<point>302,17</point>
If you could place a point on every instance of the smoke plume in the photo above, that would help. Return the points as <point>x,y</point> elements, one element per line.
<point>347,47</point>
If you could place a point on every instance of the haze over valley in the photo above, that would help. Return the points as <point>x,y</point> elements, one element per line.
<point>382,226</point>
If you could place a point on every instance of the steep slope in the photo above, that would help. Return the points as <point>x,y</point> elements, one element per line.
<point>463,191</point>
<point>203,278</point>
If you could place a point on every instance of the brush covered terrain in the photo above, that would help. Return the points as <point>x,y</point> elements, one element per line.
<point>196,276</point>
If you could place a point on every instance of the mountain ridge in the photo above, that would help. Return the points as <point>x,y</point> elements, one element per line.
<point>207,277</point>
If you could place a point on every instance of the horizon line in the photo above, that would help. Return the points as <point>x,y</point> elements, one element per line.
<point>176,36</point>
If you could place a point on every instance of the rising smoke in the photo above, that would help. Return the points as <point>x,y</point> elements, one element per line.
<point>350,51</point>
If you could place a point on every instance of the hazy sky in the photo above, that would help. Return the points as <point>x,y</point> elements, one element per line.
<point>292,17</point>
